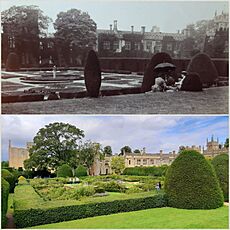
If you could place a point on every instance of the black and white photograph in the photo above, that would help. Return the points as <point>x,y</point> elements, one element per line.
<point>107,57</point>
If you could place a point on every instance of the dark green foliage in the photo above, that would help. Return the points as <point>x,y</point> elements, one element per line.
<point>203,65</point>
<point>81,171</point>
<point>12,63</point>
<point>5,164</point>
<point>32,217</point>
<point>226,144</point>
<point>10,178</point>
<point>125,149</point>
<point>92,74</point>
<point>221,166</point>
<point>191,183</point>
<point>64,171</point>
<point>146,171</point>
<point>4,200</point>
<point>192,82</point>
<point>150,74</point>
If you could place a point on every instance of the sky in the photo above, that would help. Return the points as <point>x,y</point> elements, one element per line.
<point>153,132</point>
<point>170,16</point>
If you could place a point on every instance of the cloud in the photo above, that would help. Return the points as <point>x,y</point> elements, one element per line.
<point>137,131</point>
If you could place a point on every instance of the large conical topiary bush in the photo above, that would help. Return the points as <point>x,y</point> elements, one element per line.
<point>64,171</point>
<point>221,166</point>
<point>92,74</point>
<point>10,178</point>
<point>150,74</point>
<point>12,62</point>
<point>81,171</point>
<point>192,82</point>
<point>202,64</point>
<point>4,201</point>
<point>191,183</point>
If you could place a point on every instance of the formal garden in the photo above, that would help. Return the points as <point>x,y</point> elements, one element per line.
<point>191,195</point>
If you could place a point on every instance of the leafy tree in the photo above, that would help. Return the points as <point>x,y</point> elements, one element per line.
<point>54,145</point>
<point>125,149</point>
<point>137,151</point>
<point>20,17</point>
<point>64,171</point>
<point>5,164</point>
<point>81,171</point>
<point>107,150</point>
<point>87,153</point>
<point>226,144</point>
<point>76,28</point>
<point>118,164</point>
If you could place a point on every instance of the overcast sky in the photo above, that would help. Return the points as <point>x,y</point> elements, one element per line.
<point>170,16</point>
<point>153,132</point>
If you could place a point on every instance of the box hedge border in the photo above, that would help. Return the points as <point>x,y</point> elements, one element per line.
<point>33,217</point>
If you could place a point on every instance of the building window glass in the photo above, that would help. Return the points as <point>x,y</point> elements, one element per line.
<point>138,162</point>
<point>12,42</point>
<point>152,161</point>
<point>106,45</point>
<point>149,45</point>
<point>137,46</point>
<point>144,162</point>
<point>129,162</point>
<point>127,45</point>
<point>50,44</point>
<point>41,46</point>
<point>115,45</point>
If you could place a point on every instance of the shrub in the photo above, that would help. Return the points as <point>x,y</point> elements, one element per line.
<point>92,73</point>
<point>9,177</point>
<point>64,171</point>
<point>192,82</point>
<point>221,163</point>
<point>146,171</point>
<point>12,62</point>
<point>202,64</point>
<point>32,217</point>
<point>191,183</point>
<point>110,186</point>
<point>5,186</point>
<point>81,171</point>
<point>150,74</point>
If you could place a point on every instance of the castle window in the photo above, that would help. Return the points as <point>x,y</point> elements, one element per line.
<point>12,42</point>
<point>152,161</point>
<point>149,45</point>
<point>169,46</point>
<point>127,45</point>
<point>115,45</point>
<point>41,46</point>
<point>129,162</point>
<point>50,44</point>
<point>144,162</point>
<point>138,162</point>
<point>137,46</point>
<point>106,45</point>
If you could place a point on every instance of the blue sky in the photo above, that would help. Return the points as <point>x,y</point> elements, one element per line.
<point>170,16</point>
<point>153,132</point>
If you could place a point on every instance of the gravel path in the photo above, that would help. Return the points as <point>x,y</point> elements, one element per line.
<point>210,101</point>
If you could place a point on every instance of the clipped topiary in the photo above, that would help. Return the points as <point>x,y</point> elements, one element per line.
<point>192,82</point>
<point>81,171</point>
<point>202,64</point>
<point>191,183</point>
<point>221,166</point>
<point>9,177</point>
<point>64,171</point>
<point>150,74</point>
<point>92,74</point>
<point>12,62</point>
<point>4,200</point>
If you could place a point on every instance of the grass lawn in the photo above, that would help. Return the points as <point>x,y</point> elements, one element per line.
<point>153,218</point>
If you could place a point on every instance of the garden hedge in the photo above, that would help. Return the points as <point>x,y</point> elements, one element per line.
<point>81,171</point>
<point>64,171</point>
<point>36,216</point>
<point>191,183</point>
<point>146,171</point>
<point>4,200</point>
<point>221,166</point>
<point>10,178</point>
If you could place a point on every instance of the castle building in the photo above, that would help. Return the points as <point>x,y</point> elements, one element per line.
<point>142,159</point>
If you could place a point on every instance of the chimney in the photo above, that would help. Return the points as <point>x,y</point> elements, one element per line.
<point>143,29</point>
<point>144,150</point>
<point>110,27</point>
<point>132,29</point>
<point>161,152</point>
<point>115,25</point>
<point>174,152</point>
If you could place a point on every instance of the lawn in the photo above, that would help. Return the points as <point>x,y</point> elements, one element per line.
<point>160,218</point>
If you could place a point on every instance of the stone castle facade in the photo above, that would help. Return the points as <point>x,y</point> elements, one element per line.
<point>142,159</point>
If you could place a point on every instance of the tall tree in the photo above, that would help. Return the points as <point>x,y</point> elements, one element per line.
<point>107,150</point>
<point>75,28</point>
<point>226,144</point>
<point>21,18</point>
<point>118,164</point>
<point>125,149</point>
<point>54,145</point>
